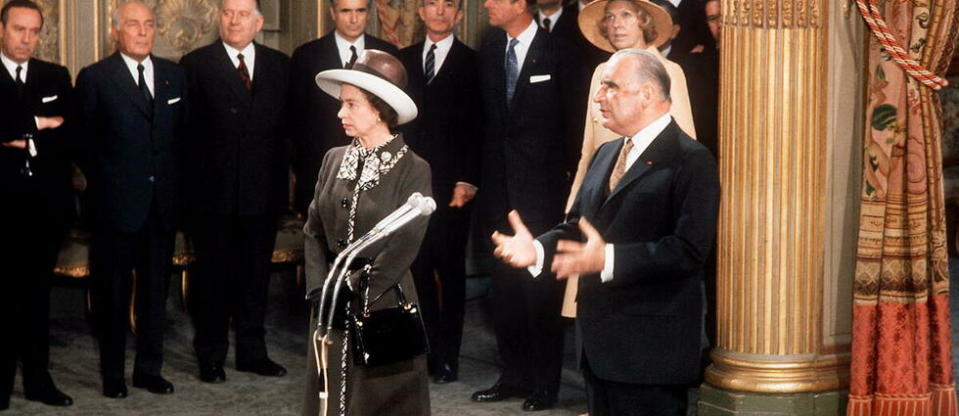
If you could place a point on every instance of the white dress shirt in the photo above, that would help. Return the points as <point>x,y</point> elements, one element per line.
<point>12,68</point>
<point>525,39</point>
<point>641,140</point>
<point>676,2</point>
<point>552,18</point>
<point>439,55</point>
<point>581,5</point>
<point>147,71</point>
<point>249,57</point>
<point>343,46</point>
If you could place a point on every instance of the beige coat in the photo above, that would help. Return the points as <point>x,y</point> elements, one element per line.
<point>595,135</point>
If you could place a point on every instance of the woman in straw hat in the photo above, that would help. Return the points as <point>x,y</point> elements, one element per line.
<point>612,25</point>
<point>360,184</point>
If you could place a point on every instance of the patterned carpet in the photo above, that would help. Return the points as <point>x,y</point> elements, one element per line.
<point>74,367</point>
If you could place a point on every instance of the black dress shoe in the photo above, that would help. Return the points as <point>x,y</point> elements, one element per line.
<point>445,374</point>
<point>498,392</point>
<point>114,389</point>
<point>50,396</point>
<point>264,367</point>
<point>539,400</point>
<point>212,372</point>
<point>153,384</point>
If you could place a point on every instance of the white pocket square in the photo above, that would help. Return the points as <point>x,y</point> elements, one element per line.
<point>173,101</point>
<point>539,78</point>
<point>45,100</point>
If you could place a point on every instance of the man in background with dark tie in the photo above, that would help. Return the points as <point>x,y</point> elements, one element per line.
<point>532,98</point>
<point>35,187</point>
<point>444,82</point>
<point>132,108</point>
<point>238,172</point>
<point>315,127</point>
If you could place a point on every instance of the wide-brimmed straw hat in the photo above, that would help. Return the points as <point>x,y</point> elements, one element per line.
<point>377,72</point>
<point>593,14</point>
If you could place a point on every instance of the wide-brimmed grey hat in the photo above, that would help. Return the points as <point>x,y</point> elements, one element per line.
<point>377,72</point>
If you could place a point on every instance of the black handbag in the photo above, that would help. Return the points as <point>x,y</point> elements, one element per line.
<point>388,336</point>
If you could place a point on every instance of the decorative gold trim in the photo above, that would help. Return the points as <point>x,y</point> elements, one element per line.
<point>802,374</point>
<point>77,272</point>
<point>184,259</point>
<point>287,256</point>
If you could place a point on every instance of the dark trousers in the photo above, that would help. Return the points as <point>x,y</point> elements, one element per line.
<point>28,254</point>
<point>148,252</point>
<point>528,327</point>
<point>611,398</point>
<point>232,277</point>
<point>439,272</point>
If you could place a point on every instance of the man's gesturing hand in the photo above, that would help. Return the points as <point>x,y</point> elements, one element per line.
<point>574,258</point>
<point>516,250</point>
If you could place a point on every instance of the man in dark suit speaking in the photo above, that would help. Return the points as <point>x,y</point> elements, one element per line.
<point>316,128</point>
<point>238,172</point>
<point>638,235</point>
<point>132,110</point>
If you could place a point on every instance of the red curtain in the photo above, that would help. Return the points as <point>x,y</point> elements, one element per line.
<point>901,349</point>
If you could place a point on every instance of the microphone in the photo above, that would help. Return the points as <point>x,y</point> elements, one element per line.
<point>423,206</point>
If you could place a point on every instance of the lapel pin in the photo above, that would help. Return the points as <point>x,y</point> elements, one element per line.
<point>649,162</point>
<point>166,83</point>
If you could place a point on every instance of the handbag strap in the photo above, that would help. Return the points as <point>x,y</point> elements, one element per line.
<point>397,288</point>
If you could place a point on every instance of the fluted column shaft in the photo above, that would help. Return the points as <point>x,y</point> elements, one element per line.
<point>772,217</point>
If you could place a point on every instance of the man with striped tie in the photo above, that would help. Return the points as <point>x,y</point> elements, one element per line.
<point>315,127</point>
<point>238,175</point>
<point>444,83</point>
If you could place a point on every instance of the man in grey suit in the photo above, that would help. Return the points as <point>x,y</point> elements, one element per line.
<point>638,236</point>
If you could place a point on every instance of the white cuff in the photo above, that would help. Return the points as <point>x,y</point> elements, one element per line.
<point>36,120</point>
<point>537,268</point>
<point>475,188</point>
<point>607,273</point>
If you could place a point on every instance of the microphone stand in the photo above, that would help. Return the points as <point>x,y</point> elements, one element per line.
<point>416,205</point>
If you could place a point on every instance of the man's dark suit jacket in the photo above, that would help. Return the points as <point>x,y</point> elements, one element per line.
<point>238,148</point>
<point>47,92</point>
<point>531,146</point>
<point>447,131</point>
<point>316,128</point>
<point>644,325</point>
<point>568,28</point>
<point>134,160</point>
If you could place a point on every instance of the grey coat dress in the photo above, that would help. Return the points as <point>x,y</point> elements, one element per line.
<point>396,389</point>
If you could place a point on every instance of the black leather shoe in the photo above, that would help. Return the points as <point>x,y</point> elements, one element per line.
<point>264,367</point>
<point>114,389</point>
<point>50,396</point>
<point>212,372</point>
<point>498,392</point>
<point>153,384</point>
<point>445,374</point>
<point>539,400</point>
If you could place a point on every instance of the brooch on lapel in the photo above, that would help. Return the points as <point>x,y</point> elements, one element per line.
<point>649,162</point>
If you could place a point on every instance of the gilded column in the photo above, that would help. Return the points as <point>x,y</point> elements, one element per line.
<point>777,196</point>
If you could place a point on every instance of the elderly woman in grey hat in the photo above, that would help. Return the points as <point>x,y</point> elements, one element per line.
<point>360,184</point>
<point>612,25</point>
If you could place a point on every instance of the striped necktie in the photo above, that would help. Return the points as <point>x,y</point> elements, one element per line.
<point>429,69</point>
